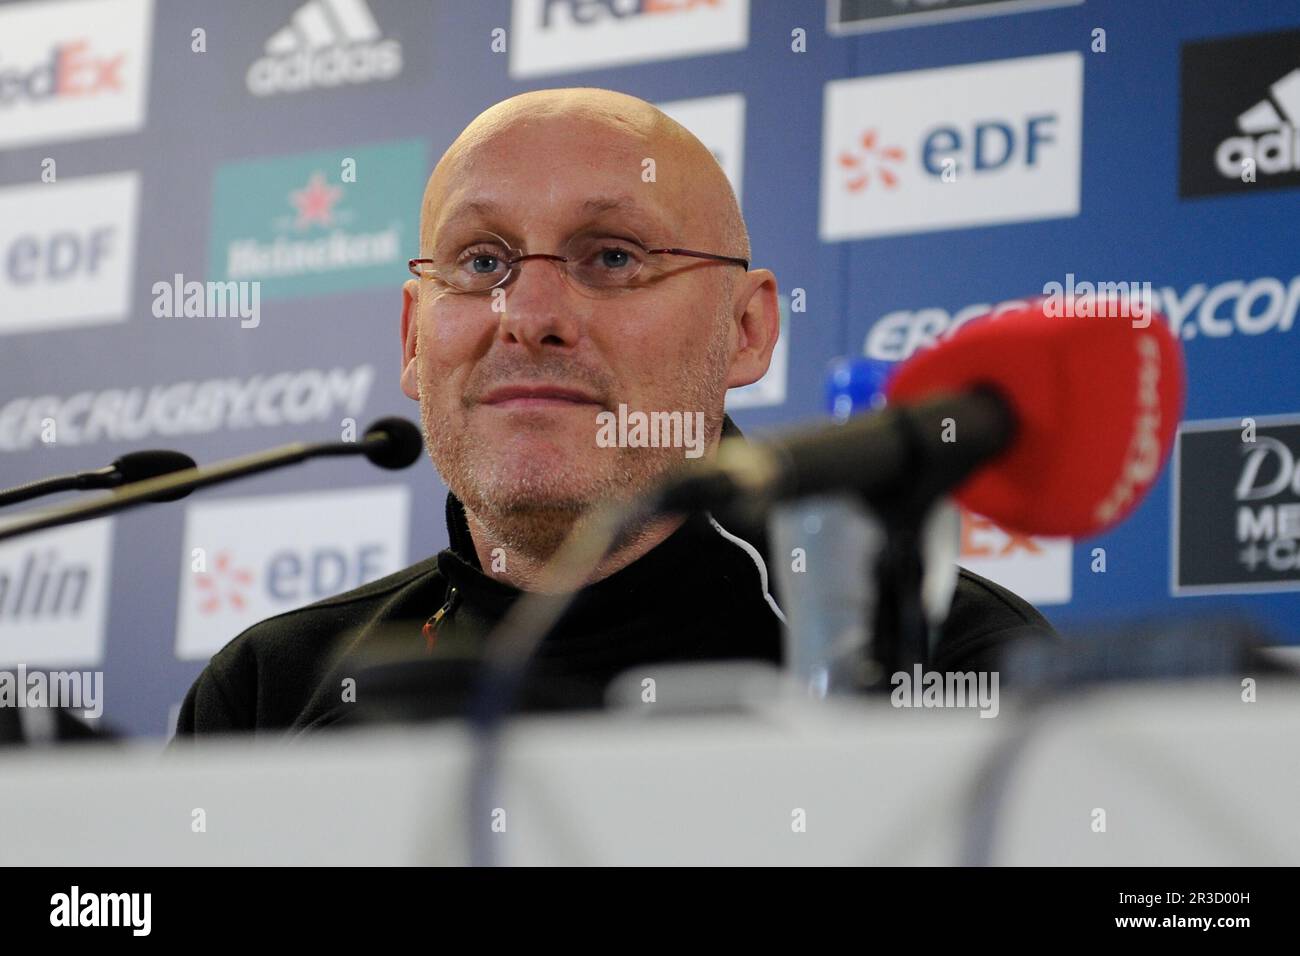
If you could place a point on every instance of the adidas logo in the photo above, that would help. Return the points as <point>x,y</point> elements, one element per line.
<point>327,43</point>
<point>1272,140</point>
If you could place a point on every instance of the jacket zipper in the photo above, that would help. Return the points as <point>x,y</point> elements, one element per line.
<point>431,625</point>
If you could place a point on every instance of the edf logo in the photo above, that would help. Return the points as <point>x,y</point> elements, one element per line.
<point>308,576</point>
<point>290,577</point>
<point>59,257</point>
<point>904,153</point>
<point>307,546</point>
<point>984,147</point>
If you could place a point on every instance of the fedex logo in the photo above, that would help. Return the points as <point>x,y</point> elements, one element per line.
<point>561,36</point>
<point>593,11</point>
<point>71,69</point>
<point>1038,569</point>
<point>981,538</point>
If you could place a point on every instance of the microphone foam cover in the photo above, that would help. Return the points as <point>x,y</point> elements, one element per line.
<point>1098,400</point>
<point>142,465</point>
<point>401,447</point>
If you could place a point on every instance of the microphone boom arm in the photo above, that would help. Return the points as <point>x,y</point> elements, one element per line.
<point>140,492</point>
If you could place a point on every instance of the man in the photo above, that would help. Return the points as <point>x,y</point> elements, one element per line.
<point>540,305</point>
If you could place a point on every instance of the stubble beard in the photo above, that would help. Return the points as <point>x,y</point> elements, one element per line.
<point>531,512</point>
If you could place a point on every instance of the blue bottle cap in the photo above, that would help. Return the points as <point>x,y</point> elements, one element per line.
<point>856,384</point>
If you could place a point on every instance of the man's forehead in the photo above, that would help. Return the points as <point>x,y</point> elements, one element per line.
<point>470,208</point>
<point>561,163</point>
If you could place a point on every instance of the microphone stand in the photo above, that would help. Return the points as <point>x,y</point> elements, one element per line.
<point>900,634</point>
<point>378,440</point>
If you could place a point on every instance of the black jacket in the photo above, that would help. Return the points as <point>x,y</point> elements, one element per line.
<point>697,596</point>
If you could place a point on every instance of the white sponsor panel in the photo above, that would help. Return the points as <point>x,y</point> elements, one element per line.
<point>54,596</point>
<point>264,555</point>
<point>1038,569</point>
<point>72,69</point>
<point>564,36</point>
<point>771,388</point>
<point>719,123</point>
<point>67,252</point>
<point>952,148</point>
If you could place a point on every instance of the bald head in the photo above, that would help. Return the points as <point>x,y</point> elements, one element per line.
<point>512,385</point>
<point>542,133</point>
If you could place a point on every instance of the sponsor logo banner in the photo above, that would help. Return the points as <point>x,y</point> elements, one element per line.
<point>188,407</point>
<point>325,44</point>
<point>857,16</point>
<point>54,595</point>
<point>72,69</point>
<point>719,123</point>
<point>1038,569</point>
<point>952,148</point>
<point>564,36</point>
<point>251,558</point>
<point>1236,506</point>
<point>67,252</point>
<point>1250,306</point>
<point>1240,114</point>
<point>295,225</point>
<point>771,388</point>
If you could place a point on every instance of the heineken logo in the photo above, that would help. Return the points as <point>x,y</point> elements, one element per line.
<point>315,201</point>
<point>318,223</point>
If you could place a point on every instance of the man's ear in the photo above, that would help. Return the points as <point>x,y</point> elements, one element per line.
<point>758,324</point>
<point>410,325</point>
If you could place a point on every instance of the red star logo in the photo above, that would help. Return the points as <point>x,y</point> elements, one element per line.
<point>223,581</point>
<point>315,201</point>
<point>870,158</point>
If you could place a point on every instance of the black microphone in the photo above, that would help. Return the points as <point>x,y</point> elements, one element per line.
<point>131,467</point>
<point>895,455</point>
<point>1046,425</point>
<point>389,443</point>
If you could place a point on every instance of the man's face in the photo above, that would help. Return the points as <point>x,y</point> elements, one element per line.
<point>509,397</point>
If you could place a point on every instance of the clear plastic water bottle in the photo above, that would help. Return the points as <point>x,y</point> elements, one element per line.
<point>825,552</point>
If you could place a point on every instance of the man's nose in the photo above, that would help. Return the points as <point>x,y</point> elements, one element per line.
<point>540,306</point>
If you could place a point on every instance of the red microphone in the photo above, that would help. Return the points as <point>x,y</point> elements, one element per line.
<point>1096,402</point>
<point>1046,425</point>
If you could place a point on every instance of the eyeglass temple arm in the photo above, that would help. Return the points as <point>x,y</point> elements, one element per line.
<point>744,263</point>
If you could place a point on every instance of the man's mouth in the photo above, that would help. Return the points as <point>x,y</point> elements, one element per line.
<point>536,396</point>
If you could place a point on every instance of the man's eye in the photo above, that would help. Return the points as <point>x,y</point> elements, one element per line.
<point>615,258</point>
<point>482,262</point>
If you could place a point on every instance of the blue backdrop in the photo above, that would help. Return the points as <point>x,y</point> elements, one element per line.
<point>287,143</point>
